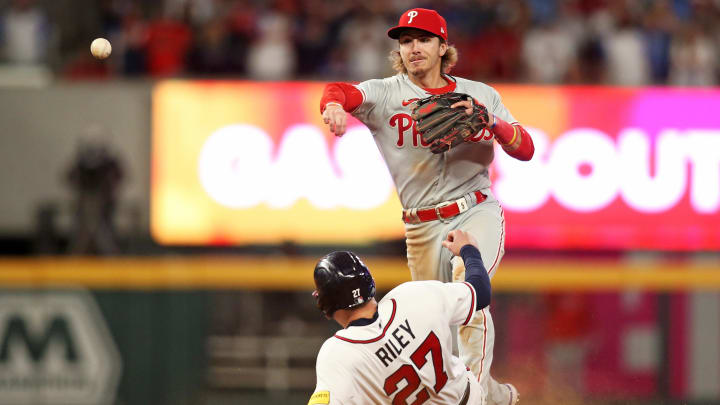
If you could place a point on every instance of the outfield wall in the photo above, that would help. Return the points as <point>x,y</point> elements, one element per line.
<point>208,330</point>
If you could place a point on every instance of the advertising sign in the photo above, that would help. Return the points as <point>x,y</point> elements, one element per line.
<point>55,349</point>
<point>614,168</point>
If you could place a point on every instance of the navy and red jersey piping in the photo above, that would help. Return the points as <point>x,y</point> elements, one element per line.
<point>392,317</point>
<point>472,302</point>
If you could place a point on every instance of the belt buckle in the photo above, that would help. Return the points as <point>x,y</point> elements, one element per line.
<point>437,210</point>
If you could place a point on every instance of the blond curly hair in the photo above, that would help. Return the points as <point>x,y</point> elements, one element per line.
<point>447,62</point>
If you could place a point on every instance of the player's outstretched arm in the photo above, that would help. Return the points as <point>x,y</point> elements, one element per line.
<point>338,99</point>
<point>462,244</point>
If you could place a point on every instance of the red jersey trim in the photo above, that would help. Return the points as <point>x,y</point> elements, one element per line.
<point>472,302</point>
<point>482,360</point>
<point>502,238</point>
<point>451,86</point>
<point>392,317</point>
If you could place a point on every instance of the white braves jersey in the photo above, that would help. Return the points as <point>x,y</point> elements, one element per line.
<point>421,177</point>
<point>404,355</point>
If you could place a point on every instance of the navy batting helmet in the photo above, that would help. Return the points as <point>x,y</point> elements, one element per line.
<point>342,281</point>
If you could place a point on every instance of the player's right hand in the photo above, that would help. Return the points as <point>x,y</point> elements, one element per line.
<point>336,118</point>
<point>456,239</point>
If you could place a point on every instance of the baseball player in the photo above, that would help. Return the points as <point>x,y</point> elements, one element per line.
<point>441,188</point>
<point>398,350</point>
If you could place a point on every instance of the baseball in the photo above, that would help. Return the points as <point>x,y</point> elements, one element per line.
<point>100,48</point>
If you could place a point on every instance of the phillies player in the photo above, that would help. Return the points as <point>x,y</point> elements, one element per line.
<point>438,192</point>
<point>398,350</point>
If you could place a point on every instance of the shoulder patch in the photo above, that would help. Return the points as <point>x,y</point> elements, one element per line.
<point>320,397</point>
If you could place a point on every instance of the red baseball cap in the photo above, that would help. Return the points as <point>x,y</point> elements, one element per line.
<point>422,19</point>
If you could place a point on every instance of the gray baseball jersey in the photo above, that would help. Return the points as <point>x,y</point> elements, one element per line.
<point>421,177</point>
<point>404,354</point>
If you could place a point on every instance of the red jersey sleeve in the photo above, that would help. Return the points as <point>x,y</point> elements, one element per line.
<point>514,139</point>
<point>344,94</point>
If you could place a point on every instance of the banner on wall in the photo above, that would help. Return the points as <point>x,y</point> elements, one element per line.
<point>614,168</point>
<point>55,348</point>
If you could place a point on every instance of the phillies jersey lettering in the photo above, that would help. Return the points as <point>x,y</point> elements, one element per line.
<point>405,354</point>
<point>421,177</point>
<point>404,122</point>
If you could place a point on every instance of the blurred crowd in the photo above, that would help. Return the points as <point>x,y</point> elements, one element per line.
<point>618,42</point>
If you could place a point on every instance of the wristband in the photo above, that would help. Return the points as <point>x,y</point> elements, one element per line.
<point>333,103</point>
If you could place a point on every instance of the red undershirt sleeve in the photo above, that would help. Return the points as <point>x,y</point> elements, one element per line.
<point>344,94</point>
<point>514,139</point>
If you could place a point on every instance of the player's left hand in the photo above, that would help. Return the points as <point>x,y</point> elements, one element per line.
<point>456,239</point>
<point>469,110</point>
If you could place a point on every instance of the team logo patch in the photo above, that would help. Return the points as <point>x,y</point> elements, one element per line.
<point>320,397</point>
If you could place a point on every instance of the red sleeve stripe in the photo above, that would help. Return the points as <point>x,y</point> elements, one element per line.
<point>472,302</point>
<point>392,317</point>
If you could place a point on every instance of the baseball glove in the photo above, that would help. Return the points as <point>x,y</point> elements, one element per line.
<point>443,127</point>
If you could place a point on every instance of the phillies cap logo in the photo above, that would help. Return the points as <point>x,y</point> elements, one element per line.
<point>412,15</point>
